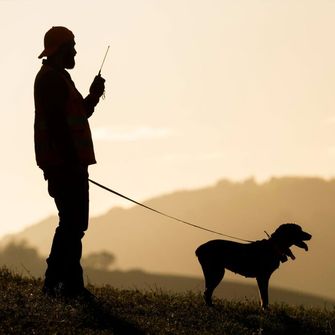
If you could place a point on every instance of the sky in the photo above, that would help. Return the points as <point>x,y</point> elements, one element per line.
<point>196,91</point>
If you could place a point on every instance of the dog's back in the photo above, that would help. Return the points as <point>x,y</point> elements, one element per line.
<point>247,259</point>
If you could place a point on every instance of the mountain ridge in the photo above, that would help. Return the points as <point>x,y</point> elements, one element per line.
<point>142,239</point>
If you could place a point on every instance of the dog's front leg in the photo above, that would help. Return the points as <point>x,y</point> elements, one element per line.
<point>263,286</point>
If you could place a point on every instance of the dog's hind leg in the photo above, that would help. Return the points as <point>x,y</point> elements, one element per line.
<point>213,276</point>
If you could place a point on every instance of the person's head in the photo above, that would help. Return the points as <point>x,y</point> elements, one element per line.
<point>59,46</point>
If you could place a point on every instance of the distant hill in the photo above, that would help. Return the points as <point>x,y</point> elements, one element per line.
<point>143,240</point>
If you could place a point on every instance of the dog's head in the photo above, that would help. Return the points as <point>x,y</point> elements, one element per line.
<point>289,234</point>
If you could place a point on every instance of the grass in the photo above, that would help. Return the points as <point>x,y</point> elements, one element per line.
<point>24,310</point>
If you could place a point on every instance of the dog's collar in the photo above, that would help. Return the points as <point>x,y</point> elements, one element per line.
<point>282,253</point>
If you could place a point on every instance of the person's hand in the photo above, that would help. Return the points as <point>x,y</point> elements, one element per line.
<point>97,87</point>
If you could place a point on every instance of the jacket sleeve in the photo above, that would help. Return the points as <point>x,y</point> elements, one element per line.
<point>90,102</point>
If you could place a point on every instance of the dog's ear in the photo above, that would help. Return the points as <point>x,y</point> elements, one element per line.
<point>280,231</point>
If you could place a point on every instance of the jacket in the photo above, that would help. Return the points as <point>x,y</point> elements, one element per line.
<point>62,133</point>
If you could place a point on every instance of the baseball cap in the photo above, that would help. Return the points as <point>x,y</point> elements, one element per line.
<point>54,38</point>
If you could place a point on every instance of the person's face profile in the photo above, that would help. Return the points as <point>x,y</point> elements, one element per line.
<point>69,52</point>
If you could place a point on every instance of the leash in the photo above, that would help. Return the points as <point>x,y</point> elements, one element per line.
<point>164,214</point>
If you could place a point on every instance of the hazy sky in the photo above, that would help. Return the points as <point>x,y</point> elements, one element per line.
<point>196,91</point>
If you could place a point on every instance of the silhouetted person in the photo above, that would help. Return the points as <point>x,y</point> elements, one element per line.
<point>64,150</point>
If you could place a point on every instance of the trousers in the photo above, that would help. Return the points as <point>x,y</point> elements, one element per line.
<point>68,185</point>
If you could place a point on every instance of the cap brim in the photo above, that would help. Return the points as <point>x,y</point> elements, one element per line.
<point>47,52</point>
<point>42,54</point>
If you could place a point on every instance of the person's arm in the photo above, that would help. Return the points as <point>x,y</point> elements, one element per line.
<point>97,89</point>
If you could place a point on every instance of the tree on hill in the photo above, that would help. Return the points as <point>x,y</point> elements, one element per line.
<point>99,260</point>
<point>20,257</point>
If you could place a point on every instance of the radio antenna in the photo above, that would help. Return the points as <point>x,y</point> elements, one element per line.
<point>103,61</point>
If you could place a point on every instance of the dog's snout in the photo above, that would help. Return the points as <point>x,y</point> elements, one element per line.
<point>307,236</point>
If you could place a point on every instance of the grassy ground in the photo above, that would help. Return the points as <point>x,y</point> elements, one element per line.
<point>24,310</point>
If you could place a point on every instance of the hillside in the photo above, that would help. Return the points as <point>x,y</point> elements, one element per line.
<point>229,290</point>
<point>24,310</point>
<point>25,260</point>
<point>143,240</point>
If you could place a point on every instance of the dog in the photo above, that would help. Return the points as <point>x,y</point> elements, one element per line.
<point>257,259</point>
